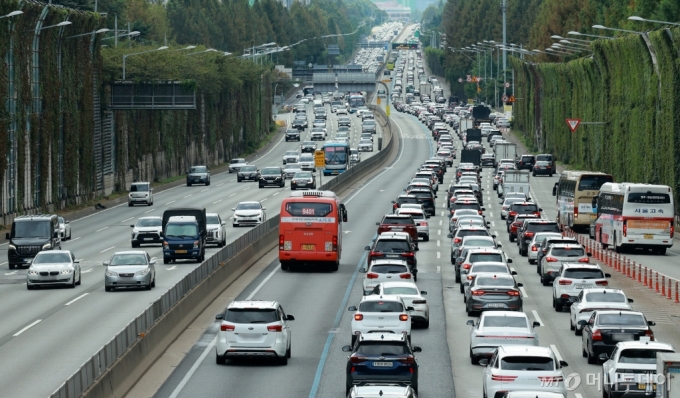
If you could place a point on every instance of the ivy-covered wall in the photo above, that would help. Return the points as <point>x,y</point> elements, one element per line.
<point>631,84</point>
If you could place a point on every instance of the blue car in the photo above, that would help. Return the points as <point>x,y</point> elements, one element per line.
<point>382,357</point>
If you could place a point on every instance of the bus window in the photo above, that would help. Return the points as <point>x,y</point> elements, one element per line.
<point>593,182</point>
<point>308,209</point>
<point>649,198</point>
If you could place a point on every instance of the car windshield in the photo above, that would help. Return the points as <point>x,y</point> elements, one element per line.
<point>369,123</point>
<point>381,306</point>
<point>478,242</point>
<point>567,252</point>
<point>128,259</point>
<point>544,227</point>
<point>583,273</point>
<point>251,315</point>
<point>248,169</point>
<point>389,268</point>
<point>248,206</point>
<point>499,282</point>
<point>271,171</point>
<point>139,188</point>
<point>398,220</point>
<point>539,238</point>
<point>509,201</point>
<point>531,363</point>
<point>472,232</point>
<point>47,257</point>
<point>181,230</point>
<point>640,355</point>
<point>212,219</point>
<point>61,220</point>
<point>306,158</point>
<point>397,290</point>
<point>392,245</point>
<point>303,174</point>
<point>415,215</point>
<point>235,161</point>
<point>149,222</point>
<point>381,349</point>
<point>602,297</point>
<point>291,153</point>
<point>524,209</point>
<point>621,319</point>
<point>488,268</point>
<point>199,169</point>
<point>32,229</point>
<point>402,201</point>
<point>477,257</point>
<point>593,182</point>
<point>469,205</point>
<point>309,143</point>
<point>292,166</point>
<point>504,322</point>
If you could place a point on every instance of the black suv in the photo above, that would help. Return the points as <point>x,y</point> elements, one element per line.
<point>29,236</point>
<point>379,357</point>
<point>308,146</point>
<point>526,162</point>
<point>426,198</point>
<point>198,175</point>
<point>487,159</point>
<point>529,229</point>
<point>292,135</point>
<point>394,245</point>
<point>401,199</point>
<point>300,123</point>
<point>521,208</point>
<point>272,176</point>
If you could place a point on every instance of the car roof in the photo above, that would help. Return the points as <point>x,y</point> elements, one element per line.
<point>490,238</point>
<point>515,314</point>
<point>128,252</point>
<point>604,290</point>
<point>521,350</point>
<point>248,202</point>
<point>155,217</point>
<point>56,251</point>
<point>381,336</point>
<point>581,265</point>
<point>614,312</point>
<point>254,304</point>
<point>489,263</point>
<point>386,261</point>
<point>381,297</point>
<point>541,221</point>
<point>652,345</point>
<point>566,246</point>
<point>494,275</point>
<point>485,250</point>
<point>394,235</point>
<point>399,284</point>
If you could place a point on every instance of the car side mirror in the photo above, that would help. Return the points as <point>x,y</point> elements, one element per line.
<point>417,349</point>
<point>76,261</point>
<point>68,222</point>
<point>572,299</point>
<point>152,262</point>
<point>367,248</point>
<point>582,323</point>
<point>233,209</point>
<point>105,263</point>
<point>539,209</point>
<point>410,309</point>
<point>651,323</point>
<point>513,272</point>
<point>290,318</point>
<point>377,223</point>
<point>346,348</point>
<point>536,324</point>
<point>589,254</point>
<point>363,270</point>
<point>470,322</point>
<point>563,364</point>
<point>520,285</point>
<point>607,275</point>
<point>161,234</point>
<point>630,300</point>
<point>219,316</point>
<point>493,236</point>
<point>509,261</point>
<point>223,223</point>
<point>484,362</point>
<point>499,245</point>
<point>352,308</point>
<point>264,208</point>
<point>7,235</point>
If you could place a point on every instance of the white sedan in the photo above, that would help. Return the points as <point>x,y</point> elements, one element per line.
<point>589,300</point>
<point>248,213</point>
<point>365,146</point>
<point>408,291</point>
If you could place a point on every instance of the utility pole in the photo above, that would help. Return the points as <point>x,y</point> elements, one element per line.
<point>504,7</point>
<point>115,31</point>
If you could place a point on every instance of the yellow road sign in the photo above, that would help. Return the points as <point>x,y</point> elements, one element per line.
<point>387,81</point>
<point>378,100</point>
<point>319,158</point>
<point>387,110</point>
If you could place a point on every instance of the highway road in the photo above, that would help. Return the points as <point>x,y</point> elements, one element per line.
<point>47,334</point>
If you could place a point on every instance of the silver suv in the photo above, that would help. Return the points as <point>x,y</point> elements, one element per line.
<point>556,255</point>
<point>140,192</point>
<point>253,329</point>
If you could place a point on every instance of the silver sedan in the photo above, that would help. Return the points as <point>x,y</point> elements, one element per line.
<point>497,328</point>
<point>134,268</point>
<point>53,267</point>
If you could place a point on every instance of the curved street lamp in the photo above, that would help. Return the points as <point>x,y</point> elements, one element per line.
<point>143,52</point>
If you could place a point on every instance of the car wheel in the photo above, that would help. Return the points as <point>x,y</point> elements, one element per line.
<point>166,261</point>
<point>558,305</point>
<point>260,186</point>
<point>571,324</point>
<point>284,266</point>
<point>292,188</point>
<point>591,358</point>
<point>153,282</point>
<point>148,286</point>
<point>129,204</point>
<point>223,243</point>
<point>288,351</point>
<point>426,324</point>
<point>73,282</point>
<point>220,360</point>
<point>80,278</point>
<point>354,339</point>
<point>426,238</point>
<point>188,184</point>
<point>462,289</point>
<point>207,183</point>
<point>457,277</point>
<point>107,288</point>
<point>11,266</point>
<point>234,225</point>
<point>29,287</point>
<point>238,180</point>
<point>135,244</point>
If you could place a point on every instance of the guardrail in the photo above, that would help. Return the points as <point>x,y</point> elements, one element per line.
<point>93,369</point>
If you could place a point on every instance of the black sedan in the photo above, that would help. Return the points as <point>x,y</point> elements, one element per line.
<point>605,328</point>
<point>300,123</point>
<point>198,175</point>
<point>304,180</point>
<point>248,173</point>
<point>272,176</point>
<point>544,168</point>
<point>292,135</point>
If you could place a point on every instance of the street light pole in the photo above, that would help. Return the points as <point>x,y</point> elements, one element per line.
<point>143,52</point>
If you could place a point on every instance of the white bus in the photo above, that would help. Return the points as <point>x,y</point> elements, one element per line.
<point>635,216</point>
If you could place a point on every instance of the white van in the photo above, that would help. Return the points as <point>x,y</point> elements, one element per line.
<point>318,103</point>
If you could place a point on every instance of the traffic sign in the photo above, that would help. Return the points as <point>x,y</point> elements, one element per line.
<point>416,33</point>
<point>505,98</point>
<point>319,158</point>
<point>573,124</point>
<point>377,100</point>
<point>507,84</point>
<point>460,80</point>
<point>469,78</point>
<point>511,99</point>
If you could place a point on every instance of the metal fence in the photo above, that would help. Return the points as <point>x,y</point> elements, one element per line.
<point>93,368</point>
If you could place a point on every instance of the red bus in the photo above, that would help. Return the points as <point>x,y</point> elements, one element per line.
<point>310,229</point>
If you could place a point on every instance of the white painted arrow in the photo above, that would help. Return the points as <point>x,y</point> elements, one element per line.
<point>171,268</point>
<point>342,231</point>
<point>11,273</point>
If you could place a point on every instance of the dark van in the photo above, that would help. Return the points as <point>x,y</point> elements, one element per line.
<point>31,235</point>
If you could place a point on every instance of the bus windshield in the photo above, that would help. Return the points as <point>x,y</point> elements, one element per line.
<point>356,101</point>
<point>309,209</point>
<point>335,155</point>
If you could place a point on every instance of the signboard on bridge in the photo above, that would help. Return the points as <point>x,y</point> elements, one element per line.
<point>404,46</point>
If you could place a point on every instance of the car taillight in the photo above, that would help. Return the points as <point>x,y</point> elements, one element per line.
<point>649,334</point>
<point>375,254</point>
<point>533,248</point>
<point>513,293</point>
<point>672,230</point>
<point>371,275</point>
<point>467,266</point>
<point>528,234</point>
<point>565,282</point>
<point>403,317</point>
<point>480,212</point>
<point>355,359</point>
<point>405,276</point>
<point>358,317</point>
<point>597,335</point>
<point>602,283</point>
<point>512,213</point>
<point>419,301</point>
<point>478,292</point>
<point>470,277</point>
<point>575,211</point>
<point>625,228</point>
<point>225,327</point>
<point>408,360</point>
<point>584,260</point>
<point>551,379</point>
<point>280,242</point>
<point>503,378</point>
<point>423,223</point>
<point>457,240</point>
<point>275,328</point>
<point>551,259</point>
<point>408,254</point>
<point>335,243</point>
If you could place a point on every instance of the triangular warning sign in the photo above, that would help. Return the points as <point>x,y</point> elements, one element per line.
<point>573,124</point>
<point>511,99</point>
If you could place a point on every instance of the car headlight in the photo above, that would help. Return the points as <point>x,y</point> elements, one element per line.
<point>67,271</point>
<point>142,272</point>
<point>11,246</point>
<point>33,272</point>
<point>240,174</point>
<point>47,246</point>
<point>196,243</point>
<point>111,273</point>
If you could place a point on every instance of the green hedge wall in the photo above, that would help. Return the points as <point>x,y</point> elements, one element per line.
<point>631,83</point>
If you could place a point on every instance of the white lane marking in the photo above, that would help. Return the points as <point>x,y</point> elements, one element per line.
<point>439,232</point>
<point>524,293</point>
<point>231,195</point>
<point>205,190</point>
<point>263,200</point>
<point>442,214</point>
<point>440,222</point>
<point>538,318</point>
<point>107,249</point>
<point>26,328</point>
<point>439,243</point>
<point>101,229</point>
<point>172,201</point>
<point>493,224</point>
<point>218,201</point>
<point>577,395</point>
<point>210,346</point>
<point>87,270</point>
<point>439,255</point>
<point>149,211</point>
<point>11,273</point>
<point>557,353</point>
<point>3,263</point>
<point>245,189</point>
<point>171,268</point>
<point>222,183</point>
<point>490,214</point>
<point>191,194</point>
<point>439,269</point>
<point>76,299</point>
<point>276,193</point>
<point>127,219</point>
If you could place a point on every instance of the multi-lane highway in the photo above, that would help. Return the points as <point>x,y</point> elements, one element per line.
<point>47,334</point>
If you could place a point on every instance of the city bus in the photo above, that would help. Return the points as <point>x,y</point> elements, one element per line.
<point>574,194</point>
<point>356,100</point>
<point>310,229</point>
<point>337,157</point>
<point>632,216</point>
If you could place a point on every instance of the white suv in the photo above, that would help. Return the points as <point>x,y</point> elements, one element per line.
<point>140,192</point>
<point>384,271</point>
<point>253,329</point>
<point>381,314</point>
<point>572,278</point>
<point>632,368</point>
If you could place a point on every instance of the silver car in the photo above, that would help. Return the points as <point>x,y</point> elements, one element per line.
<point>365,146</point>
<point>493,329</point>
<point>558,254</point>
<point>420,219</point>
<point>53,267</point>
<point>217,230</point>
<point>290,157</point>
<point>134,268</point>
<point>535,244</point>
<point>291,168</point>
<point>64,228</point>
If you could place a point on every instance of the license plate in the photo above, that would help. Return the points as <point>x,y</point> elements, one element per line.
<point>180,251</point>
<point>249,178</point>
<point>583,286</point>
<point>593,216</point>
<point>308,247</point>
<point>495,305</point>
<point>148,239</point>
<point>622,337</point>
<point>649,236</point>
<point>383,364</point>
<point>397,228</point>
<point>644,386</point>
